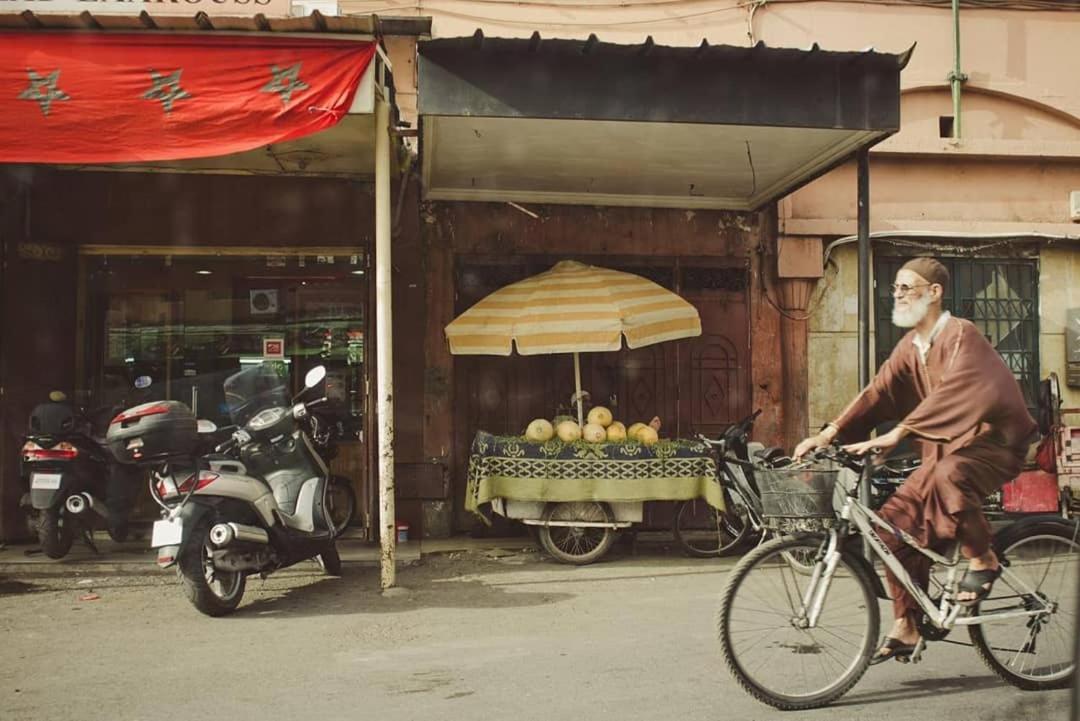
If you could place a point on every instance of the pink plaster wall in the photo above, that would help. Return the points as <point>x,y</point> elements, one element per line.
<point>1032,54</point>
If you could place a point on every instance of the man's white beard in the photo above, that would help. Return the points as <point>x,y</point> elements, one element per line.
<point>911,316</point>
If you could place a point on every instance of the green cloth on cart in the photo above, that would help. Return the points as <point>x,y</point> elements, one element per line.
<point>514,468</point>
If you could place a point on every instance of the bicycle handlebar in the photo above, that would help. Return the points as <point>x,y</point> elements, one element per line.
<point>859,464</point>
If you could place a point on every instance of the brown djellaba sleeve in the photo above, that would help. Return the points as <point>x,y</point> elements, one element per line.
<point>889,396</point>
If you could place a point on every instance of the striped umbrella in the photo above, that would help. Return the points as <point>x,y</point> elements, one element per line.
<point>573,308</point>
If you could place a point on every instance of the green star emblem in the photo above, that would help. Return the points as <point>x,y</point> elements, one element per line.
<point>43,90</point>
<point>166,89</point>
<point>285,82</point>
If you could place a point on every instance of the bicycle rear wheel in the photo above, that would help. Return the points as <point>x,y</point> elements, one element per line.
<point>704,532</point>
<point>1034,652</point>
<point>763,637</point>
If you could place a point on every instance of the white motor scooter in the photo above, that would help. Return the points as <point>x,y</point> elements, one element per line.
<point>258,503</point>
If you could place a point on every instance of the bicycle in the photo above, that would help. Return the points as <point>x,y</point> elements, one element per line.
<point>722,533</point>
<point>705,532</point>
<point>796,641</point>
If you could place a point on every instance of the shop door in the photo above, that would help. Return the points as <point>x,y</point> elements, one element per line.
<point>714,368</point>
<point>190,321</point>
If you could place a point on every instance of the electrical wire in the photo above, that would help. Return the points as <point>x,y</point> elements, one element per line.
<point>1052,5</point>
<point>536,24</point>
<point>924,239</point>
<point>820,291</point>
<point>424,7</point>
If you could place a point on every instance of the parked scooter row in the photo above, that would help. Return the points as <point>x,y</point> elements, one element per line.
<point>253,497</point>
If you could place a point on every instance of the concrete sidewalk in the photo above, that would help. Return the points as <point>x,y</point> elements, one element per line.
<point>135,557</point>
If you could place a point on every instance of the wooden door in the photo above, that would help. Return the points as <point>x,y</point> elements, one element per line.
<point>714,368</point>
<point>483,385</point>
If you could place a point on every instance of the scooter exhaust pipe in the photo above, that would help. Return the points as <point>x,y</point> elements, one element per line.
<point>224,534</point>
<point>81,502</point>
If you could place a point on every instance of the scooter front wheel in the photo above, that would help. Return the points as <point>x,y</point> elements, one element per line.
<point>341,504</point>
<point>212,591</point>
<point>330,561</point>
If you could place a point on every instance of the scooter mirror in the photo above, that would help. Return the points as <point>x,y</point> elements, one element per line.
<point>314,376</point>
<point>143,382</point>
<point>204,426</point>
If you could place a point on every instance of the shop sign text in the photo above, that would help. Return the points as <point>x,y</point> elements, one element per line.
<point>40,251</point>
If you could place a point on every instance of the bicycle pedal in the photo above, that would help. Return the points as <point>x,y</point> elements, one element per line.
<point>916,655</point>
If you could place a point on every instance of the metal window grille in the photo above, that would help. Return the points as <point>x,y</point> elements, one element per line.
<point>1000,296</point>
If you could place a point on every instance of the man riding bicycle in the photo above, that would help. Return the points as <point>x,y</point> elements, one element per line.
<point>946,386</point>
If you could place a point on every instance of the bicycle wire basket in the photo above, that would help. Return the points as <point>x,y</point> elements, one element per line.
<point>798,499</point>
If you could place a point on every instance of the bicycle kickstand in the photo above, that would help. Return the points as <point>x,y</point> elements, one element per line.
<point>920,646</point>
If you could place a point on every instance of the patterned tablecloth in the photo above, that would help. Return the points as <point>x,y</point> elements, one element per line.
<point>514,468</point>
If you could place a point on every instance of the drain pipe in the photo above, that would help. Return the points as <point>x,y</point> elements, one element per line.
<point>956,78</point>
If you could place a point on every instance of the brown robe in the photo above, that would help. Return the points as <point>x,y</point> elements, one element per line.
<point>967,410</point>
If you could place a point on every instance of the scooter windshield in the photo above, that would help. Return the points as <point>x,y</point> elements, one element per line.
<point>255,389</point>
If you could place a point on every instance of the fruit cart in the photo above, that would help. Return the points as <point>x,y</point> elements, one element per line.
<point>579,495</point>
<point>578,482</point>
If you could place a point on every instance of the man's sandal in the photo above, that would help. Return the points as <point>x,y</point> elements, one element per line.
<point>978,582</point>
<point>893,648</point>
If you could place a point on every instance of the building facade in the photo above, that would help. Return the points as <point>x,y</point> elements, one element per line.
<point>994,202</point>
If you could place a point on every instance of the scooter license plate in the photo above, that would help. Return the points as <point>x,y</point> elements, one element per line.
<point>167,533</point>
<point>45,481</point>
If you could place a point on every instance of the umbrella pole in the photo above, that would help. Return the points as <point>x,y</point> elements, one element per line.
<point>577,386</point>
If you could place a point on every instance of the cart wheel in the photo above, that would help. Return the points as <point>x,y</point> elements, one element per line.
<point>577,544</point>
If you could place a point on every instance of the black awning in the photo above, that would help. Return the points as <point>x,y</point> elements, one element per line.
<point>582,121</point>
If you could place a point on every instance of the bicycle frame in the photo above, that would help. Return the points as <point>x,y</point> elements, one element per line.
<point>731,469</point>
<point>947,614</point>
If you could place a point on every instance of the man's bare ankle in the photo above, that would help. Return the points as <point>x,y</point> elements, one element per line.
<point>984,562</point>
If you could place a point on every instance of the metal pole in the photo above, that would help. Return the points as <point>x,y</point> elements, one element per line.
<point>577,390</point>
<point>384,356</point>
<point>863,160</point>
<point>864,268</point>
<point>956,78</point>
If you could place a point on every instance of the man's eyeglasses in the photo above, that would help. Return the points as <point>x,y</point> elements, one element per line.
<point>904,289</point>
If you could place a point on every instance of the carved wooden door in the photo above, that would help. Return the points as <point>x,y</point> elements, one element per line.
<point>714,368</point>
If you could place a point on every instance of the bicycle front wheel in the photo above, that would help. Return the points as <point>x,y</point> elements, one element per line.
<point>1033,652</point>
<point>764,635</point>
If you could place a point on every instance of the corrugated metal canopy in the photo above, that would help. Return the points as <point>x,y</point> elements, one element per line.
<point>588,122</point>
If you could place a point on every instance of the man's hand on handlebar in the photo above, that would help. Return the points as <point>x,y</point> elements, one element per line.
<point>882,445</point>
<point>823,439</point>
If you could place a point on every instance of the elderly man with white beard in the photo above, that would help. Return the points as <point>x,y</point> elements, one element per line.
<point>949,389</point>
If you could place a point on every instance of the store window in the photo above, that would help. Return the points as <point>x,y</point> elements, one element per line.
<point>189,322</point>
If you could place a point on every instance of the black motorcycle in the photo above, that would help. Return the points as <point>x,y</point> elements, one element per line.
<point>73,478</point>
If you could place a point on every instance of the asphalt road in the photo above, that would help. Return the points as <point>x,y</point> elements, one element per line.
<point>474,637</point>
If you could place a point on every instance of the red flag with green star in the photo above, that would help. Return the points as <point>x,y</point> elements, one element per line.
<point>116,98</point>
